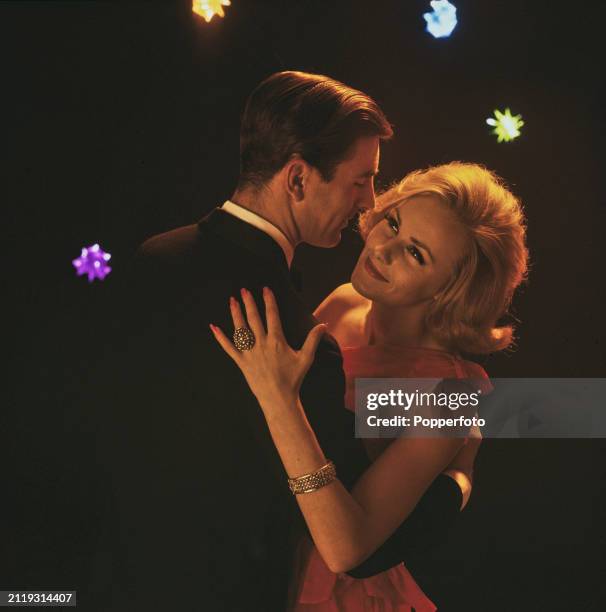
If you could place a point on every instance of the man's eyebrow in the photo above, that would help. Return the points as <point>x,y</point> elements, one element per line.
<point>415,240</point>
<point>369,174</point>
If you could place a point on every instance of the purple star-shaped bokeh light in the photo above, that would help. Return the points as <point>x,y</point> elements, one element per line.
<point>92,261</point>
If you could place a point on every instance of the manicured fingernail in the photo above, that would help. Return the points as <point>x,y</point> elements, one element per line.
<point>244,291</point>
<point>212,327</point>
<point>232,301</point>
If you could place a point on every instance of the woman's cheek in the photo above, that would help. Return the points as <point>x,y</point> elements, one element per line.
<point>409,286</point>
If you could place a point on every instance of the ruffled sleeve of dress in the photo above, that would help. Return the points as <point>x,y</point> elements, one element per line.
<point>395,590</point>
<point>397,362</point>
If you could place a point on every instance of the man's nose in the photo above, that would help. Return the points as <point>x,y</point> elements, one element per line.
<point>367,199</point>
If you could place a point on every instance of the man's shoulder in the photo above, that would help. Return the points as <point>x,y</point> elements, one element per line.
<point>170,244</point>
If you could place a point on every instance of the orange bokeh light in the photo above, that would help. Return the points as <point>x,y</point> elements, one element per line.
<point>209,8</point>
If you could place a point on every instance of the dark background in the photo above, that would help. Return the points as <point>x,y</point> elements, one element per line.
<point>121,121</point>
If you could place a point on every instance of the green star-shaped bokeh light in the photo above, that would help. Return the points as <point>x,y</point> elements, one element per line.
<point>506,126</point>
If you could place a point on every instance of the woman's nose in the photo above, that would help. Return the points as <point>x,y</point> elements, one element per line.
<point>383,253</point>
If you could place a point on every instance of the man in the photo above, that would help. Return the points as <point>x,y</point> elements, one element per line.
<point>203,517</point>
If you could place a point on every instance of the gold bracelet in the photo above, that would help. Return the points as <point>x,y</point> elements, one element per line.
<point>314,481</point>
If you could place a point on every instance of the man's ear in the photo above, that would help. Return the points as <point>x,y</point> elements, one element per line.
<point>296,174</point>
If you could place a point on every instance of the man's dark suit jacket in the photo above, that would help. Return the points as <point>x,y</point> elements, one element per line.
<point>200,516</point>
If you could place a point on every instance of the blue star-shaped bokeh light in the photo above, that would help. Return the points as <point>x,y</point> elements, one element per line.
<point>442,21</point>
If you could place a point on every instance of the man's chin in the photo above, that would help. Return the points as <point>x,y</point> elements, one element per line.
<point>336,241</point>
<point>328,242</point>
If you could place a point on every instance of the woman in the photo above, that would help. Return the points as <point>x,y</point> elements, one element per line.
<point>444,252</point>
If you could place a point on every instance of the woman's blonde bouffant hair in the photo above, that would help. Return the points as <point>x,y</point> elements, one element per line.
<point>464,315</point>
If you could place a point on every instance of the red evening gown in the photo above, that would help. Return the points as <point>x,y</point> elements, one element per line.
<point>319,589</point>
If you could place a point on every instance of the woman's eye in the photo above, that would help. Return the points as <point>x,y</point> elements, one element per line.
<point>392,222</point>
<point>417,254</point>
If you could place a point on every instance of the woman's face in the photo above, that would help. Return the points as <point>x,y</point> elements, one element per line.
<point>411,254</point>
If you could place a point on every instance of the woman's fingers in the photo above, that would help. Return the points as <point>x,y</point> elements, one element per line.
<point>225,342</point>
<point>475,432</point>
<point>274,324</point>
<point>252,314</point>
<point>236,313</point>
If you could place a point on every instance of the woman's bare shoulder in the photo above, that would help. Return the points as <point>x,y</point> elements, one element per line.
<point>340,311</point>
<point>337,303</point>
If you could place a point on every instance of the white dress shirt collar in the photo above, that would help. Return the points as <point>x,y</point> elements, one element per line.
<point>260,223</point>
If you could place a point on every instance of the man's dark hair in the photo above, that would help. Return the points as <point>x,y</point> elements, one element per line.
<point>311,115</point>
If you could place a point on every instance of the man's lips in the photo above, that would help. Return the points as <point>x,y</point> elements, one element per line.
<point>370,268</point>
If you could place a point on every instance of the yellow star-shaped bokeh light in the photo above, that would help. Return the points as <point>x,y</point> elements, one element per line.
<point>209,8</point>
<point>506,126</point>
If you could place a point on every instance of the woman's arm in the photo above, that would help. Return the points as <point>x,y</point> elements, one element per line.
<point>346,528</point>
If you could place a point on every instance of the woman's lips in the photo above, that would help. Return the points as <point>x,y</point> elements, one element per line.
<point>373,271</point>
